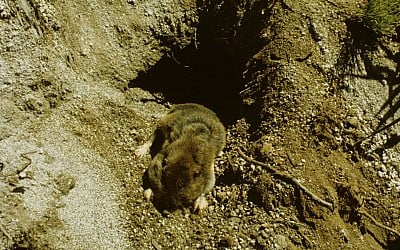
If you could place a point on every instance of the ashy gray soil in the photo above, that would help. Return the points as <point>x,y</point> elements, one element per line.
<point>297,84</point>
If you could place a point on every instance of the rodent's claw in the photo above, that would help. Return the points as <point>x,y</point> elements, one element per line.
<point>142,150</point>
<point>200,204</point>
<point>148,193</point>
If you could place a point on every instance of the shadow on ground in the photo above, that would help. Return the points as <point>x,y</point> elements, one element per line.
<point>208,75</point>
<point>360,45</point>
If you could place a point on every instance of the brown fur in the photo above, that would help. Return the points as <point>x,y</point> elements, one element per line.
<point>190,136</point>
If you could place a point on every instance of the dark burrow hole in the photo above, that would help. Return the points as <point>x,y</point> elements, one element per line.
<point>206,74</point>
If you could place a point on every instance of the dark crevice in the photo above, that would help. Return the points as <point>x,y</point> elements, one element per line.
<point>210,70</point>
<point>207,75</point>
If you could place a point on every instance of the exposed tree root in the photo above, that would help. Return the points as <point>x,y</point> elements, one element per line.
<point>361,211</point>
<point>289,179</point>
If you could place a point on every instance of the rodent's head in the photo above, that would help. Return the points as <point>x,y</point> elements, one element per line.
<point>187,166</point>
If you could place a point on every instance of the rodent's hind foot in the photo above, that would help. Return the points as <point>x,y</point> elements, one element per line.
<point>143,149</point>
<point>200,204</point>
<point>148,193</point>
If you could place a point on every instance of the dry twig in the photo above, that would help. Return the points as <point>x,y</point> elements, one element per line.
<point>361,211</point>
<point>289,179</point>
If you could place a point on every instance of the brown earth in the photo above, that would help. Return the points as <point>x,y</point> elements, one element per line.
<point>297,84</point>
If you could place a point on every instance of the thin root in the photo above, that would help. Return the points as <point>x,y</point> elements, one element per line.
<point>361,211</point>
<point>21,169</point>
<point>289,179</point>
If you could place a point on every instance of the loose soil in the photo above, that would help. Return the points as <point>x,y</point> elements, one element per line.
<point>299,86</point>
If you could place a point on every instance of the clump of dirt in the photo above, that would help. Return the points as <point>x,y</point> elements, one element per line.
<point>296,83</point>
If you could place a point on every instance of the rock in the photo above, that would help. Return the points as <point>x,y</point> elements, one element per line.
<point>280,242</point>
<point>353,122</point>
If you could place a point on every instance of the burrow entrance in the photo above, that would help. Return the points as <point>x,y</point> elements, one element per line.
<point>204,74</point>
<point>210,71</point>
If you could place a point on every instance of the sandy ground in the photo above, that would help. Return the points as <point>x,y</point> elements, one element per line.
<point>83,84</point>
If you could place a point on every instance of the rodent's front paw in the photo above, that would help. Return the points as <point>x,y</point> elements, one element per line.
<point>148,193</point>
<point>200,204</point>
<point>142,150</point>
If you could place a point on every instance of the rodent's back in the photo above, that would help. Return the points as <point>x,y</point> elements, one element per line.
<point>184,119</point>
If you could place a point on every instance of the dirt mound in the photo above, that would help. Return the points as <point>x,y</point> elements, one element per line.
<point>297,84</point>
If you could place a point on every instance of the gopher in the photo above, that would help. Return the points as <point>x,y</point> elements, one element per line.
<point>185,145</point>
